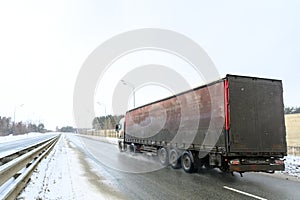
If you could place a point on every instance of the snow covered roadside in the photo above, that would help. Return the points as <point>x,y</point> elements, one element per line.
<point>11,137</point>
<point>64,175</point>
<point>292,166</point>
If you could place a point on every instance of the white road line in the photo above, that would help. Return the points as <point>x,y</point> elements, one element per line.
<point>244,193</point>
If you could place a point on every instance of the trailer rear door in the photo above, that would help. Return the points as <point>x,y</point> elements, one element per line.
<point>256,115</point>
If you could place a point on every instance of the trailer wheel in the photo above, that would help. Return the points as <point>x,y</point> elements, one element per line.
<point>224,168</point>
<point>132,148</point>
<point>174,159</point>
<point>121,146</point>
<point>187,163</point>
<point>163,156</point>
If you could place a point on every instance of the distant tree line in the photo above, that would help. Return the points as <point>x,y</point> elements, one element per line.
<point>291,110</point>
<point>106,122</point>
<point>7,126</point>
<point>66,129</point>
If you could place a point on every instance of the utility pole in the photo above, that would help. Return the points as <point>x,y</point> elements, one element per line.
<point>133,89</point>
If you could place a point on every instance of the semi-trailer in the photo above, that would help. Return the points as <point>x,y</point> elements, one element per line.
<point>235,124</point>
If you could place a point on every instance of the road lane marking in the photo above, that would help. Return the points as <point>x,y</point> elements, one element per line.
<point>244,193</point>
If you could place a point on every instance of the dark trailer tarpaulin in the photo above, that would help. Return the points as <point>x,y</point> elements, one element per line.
<point>256,115</point>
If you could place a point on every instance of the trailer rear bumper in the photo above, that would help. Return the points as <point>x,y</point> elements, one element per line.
<point>256,168</point>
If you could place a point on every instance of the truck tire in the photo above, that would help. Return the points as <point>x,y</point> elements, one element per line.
<point>174,159</point>
<point>163,156</point>
<point>187,163</point>
<point>120,145</point>
<point>132,148</point>
<point>224,168</point>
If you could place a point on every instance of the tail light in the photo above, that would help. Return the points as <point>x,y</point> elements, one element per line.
<point>279,162</point>
<point>235,162</point>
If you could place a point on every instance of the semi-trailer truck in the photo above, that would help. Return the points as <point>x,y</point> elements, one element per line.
<point>235,124</point>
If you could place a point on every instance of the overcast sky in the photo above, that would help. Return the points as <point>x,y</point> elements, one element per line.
<point>44,44</point>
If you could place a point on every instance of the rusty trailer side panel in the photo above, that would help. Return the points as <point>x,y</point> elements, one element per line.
<point>193,118</point>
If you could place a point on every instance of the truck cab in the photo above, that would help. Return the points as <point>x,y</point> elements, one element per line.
<point>120,133</point>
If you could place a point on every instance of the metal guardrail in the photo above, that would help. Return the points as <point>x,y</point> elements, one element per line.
<point>15,173</point>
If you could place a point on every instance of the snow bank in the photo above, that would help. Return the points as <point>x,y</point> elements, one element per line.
<point>62,175</point>
<point>11,137</point>
<point>292,166</point>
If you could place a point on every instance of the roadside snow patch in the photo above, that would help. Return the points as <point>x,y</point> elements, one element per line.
<point>60,176</point>
<point>292,166</point>
<point>11,137</point>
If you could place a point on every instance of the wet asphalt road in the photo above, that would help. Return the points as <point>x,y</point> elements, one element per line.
<point>116,169</point>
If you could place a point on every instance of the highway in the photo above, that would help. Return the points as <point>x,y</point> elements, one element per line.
<point>141,177</point>
<point>10,147</point>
